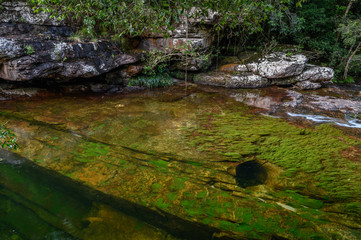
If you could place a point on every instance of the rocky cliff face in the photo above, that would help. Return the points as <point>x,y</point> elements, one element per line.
<point>33,46</point>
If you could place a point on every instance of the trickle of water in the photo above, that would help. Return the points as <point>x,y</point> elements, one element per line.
<point>347,122</point>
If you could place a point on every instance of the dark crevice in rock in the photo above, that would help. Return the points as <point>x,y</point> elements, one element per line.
<point>250,173</point>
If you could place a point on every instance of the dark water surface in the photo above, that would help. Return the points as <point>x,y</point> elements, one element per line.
<point>40,204</point>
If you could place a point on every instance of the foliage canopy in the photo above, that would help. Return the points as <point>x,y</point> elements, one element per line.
<point>320,26</point>
<point>136,17</point>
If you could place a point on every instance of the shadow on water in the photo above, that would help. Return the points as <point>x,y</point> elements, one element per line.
<point>36,203</point>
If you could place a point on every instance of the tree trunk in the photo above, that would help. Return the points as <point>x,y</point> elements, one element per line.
<point>350,59</point>
<point>344,16</point>
<point>348,7</point>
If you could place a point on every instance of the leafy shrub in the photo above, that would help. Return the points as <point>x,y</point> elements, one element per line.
<point>7,138</point>
<point>152,81</point>
<point>135,17</point>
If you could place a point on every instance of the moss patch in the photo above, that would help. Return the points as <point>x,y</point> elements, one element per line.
<point>311,156</point>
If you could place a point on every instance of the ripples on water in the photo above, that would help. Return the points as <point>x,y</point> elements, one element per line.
<point>347,122</point>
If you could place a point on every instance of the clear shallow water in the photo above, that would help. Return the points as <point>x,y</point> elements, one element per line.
<point>174,154</point>
<point>40,204</point>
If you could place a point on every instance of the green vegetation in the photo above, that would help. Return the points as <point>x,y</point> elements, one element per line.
<point>329,28</point>
<point>195,188</point>
<point>133,18</point>
<point>303,200</point>
<point>89,151</point>
<point>7,138</point>
<point>320,26</point>
<point>29,49</point>
<point>152,81</point>
<point>300,152</point>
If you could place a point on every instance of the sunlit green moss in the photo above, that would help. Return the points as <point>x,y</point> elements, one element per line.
<point>89,151</point>
<point>172,196</point>
<point>159,163</point>
<point>156,187</point>
<point>178,184</point>
<point>202,194</point>
<point>161,204</point>
<point>304,200</point>
<point>316,152</point>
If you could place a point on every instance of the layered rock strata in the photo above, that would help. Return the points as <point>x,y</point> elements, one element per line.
<point>34,46</point>
<point>273,69</point>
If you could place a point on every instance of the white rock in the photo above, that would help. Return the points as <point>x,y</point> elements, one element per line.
<point>229,80</point>
<point>316,74</point>
<point>307,85</point>
<point>286,207</point>
<point>241,68</point>
<point>279,65</point>
<point>9,49</point>
<point>246,81</point>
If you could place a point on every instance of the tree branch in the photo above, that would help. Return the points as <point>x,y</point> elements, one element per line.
<point>350,59</point>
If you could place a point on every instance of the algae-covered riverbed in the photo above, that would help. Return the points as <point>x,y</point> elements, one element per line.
<point>195,163</point>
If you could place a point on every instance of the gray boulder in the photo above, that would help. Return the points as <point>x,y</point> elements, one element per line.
<point>307,85</point>
<point>9,49</point>
<point>239,80</point>
<point>246,80</point>
<point>279,65</point>
<point>275,65</point>
<point>274,69</point>
<point>316,74</point>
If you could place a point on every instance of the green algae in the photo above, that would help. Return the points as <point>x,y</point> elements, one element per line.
<point>298,151</point>
<point>156,187</point>
<point>161,204</point>
<point>202,194</point>
<point>159,163</point>
<point>172,196</point>
<point>89,151</point>
<point>178,184</point>
<point>233,136</point>
<point>194,163</point>
<point>306,201</point>
<point>354,207</point>
<point>249,221</point>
